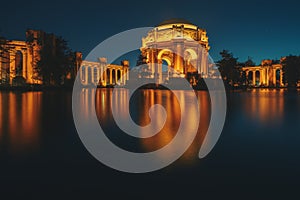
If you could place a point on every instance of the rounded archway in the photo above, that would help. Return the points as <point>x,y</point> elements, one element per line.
<point>190,61</point>
<point>257,78</point>
<point>19,63</point>
<point>278,78</point>
<point>250,77</point>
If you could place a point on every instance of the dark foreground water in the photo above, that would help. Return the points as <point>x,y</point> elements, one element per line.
<point>257,155</point>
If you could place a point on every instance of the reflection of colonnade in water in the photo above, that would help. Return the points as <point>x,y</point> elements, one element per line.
<point>264,105</point>
<point>103,74</point>
<point>20,116</point>
<point>147,98</point>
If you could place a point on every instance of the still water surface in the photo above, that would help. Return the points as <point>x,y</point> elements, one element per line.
<point>258,153</point>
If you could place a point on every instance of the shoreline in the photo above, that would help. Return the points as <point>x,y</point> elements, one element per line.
<point>38,88</point>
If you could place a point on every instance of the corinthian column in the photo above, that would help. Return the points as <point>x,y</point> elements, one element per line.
<point>179,58</point>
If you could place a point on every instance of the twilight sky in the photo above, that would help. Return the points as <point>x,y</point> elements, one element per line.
<point>260,29</point>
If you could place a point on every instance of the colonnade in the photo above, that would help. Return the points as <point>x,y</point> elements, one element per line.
<point>177,62</point>
<point>101,73</point>
<point>265,75</point>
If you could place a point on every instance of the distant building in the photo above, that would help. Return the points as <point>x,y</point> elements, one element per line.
<point>268,74</point>
<point>103,74</point>
<point>19,60</point>
<point>179,45</point>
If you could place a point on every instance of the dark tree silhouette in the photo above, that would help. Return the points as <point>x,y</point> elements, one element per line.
<point>230,70</point>
<point>291,70</point>
<point>249,62</point>
<point>54,62</point>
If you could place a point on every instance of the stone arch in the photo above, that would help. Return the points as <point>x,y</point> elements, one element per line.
<point>257,78</point>
<point>118,75</point>
<point>19,63</point>
<point>113,74</point>
<point>108,75</point>
<point>161,52</point>
<point>191,52</point>
<point>278,77</point>
<point>250,77</point>
<point>190,61</point>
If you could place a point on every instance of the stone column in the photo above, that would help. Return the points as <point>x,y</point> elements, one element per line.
<point>1,67</point>
<point>204,62</point>
<point>127,72</point>
<point>92,75</point>
<point>86,75</point>
<point>264,76</point>
<point>152,61</point>
<point>121,78</point>
<point>98,75</point>
<point>156,71</point>
<point>116,76</point>
<point>178,57</point>
<point>267,77</point>
<point>274,77</point>
<point>280,79</point>
<point>101,71</point>
<point>110,76</point>
<point>254,77</point>
<point>261,80</point>
<point>24,69</point>
<point>12,70</point>
<point>198,64</point>
<point>104,74</point>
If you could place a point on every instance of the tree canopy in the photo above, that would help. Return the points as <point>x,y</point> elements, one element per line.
<point>55,60</point>
<point>291,70</point>
<point>230,70</point>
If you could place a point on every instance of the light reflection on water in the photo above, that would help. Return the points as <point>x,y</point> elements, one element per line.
<point>258,149</point>
<point>20,120</point>
<point>265,106</point>
<point>140,104</point>
<point>21,124</point>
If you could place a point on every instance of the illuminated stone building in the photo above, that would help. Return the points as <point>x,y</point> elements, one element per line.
<point>181,46</point>
<point>103,74</point>
<point>268,74</point>
<point>19,59</point>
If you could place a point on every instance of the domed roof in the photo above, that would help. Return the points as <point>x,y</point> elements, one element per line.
<point>175,21</point>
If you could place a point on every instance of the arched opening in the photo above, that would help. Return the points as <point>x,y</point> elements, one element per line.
<point>118,75</point>
<point>250,77</point>
<point>162,52</point>
<point>166,68</point>
<point>114,81</point>
<point>19,63</point>
<point>257,78</point>
<point>278,79</point>
<point>107,76</point>
<point>190,61</point>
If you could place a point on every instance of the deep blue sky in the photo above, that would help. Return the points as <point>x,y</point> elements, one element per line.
<point>260,29</point>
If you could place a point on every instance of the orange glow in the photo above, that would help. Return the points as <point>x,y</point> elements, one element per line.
<point>22,121</point>
<point>267,105</point>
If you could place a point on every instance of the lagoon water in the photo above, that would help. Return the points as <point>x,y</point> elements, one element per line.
<point>257,155</point>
